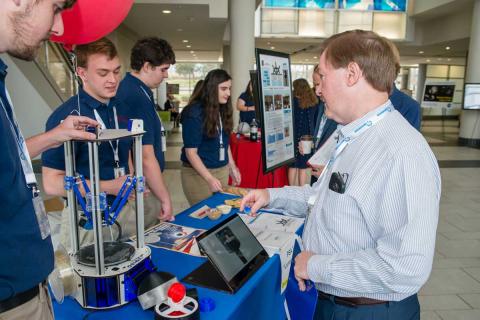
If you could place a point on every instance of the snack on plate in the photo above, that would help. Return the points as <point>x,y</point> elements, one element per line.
<point>225,209</point>
<point>234,202</point>
<point>236,191</point>
<point>214,214</point>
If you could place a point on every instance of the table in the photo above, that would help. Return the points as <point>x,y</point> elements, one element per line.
<point>248,158</point>
<point>259,298</point>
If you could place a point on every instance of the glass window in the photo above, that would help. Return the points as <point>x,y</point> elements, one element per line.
<point>316,23</point>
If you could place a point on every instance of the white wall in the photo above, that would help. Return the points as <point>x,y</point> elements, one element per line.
<point>30,108</point>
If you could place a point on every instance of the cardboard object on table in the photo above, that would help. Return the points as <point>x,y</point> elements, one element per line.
<point>281,243</point>
<point>200,213</point>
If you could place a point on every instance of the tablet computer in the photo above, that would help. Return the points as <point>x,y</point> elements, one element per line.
<point>234,255</point>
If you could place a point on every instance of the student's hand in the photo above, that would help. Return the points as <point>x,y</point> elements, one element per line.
<point>255,199</point>
<point>235,174</point>
<point>73,128</point>
<point>317,170</point>
<point>214,184</point>
<point>300,268</point>
<point>166,211</point>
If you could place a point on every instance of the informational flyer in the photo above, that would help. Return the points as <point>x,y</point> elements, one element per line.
<point>276,100</point>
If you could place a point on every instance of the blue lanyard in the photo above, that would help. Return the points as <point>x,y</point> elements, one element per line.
<point>151,101</point>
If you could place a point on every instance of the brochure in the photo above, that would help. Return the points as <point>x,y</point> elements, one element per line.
<point>174,237</point>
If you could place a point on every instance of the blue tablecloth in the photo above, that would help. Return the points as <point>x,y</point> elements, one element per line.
<point>259,298</point>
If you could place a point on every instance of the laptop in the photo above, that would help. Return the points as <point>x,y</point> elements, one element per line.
<point>234,255</point>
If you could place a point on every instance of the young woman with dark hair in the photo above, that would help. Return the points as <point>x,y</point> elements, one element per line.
<point>246,105</point>
<point>207,124</point>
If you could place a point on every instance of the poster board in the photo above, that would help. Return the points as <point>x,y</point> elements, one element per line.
<point>438,94</point>
<point>276,108</point>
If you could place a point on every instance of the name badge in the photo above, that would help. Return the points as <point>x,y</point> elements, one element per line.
<point>222,154</point>
<point>164,141</point>
<point>41,215</point>
<point>119,172</point>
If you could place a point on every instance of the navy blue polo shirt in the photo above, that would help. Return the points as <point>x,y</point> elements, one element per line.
<point>139,97</point>
<point>25,259</point>
<point>194,136</point>
<point>407,106</point>
<point>55,158</point>
<point>247,116</point>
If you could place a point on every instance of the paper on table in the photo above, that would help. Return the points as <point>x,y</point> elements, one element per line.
<point>322,156</point>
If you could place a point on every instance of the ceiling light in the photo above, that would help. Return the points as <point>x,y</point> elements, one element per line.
<point>315,57</point>
<point>447,48</point>
<point>166,11</point>
<point>188,46</point>
<point>428,60</point>
<point>439,59</point>
<point>272,47</point>
<point>269,43</point>
<point>179,29</point>
<point>185,41</point>
<point>421,52</point>
<point>192,51</point>
<point>449,59</point>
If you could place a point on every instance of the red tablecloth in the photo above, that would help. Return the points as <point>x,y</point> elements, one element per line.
<point>248,157</point>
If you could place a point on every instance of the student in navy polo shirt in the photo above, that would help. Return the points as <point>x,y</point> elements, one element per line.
<point>246,105</point>
<point>207,124</point>
<point>99,69</point>
<point>26,249</point>
<point>150,59</point>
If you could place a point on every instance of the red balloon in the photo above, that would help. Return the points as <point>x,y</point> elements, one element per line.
<point>89,20</point>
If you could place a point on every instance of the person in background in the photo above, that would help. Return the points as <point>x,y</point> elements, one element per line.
<point>25,243</point>
<point>99,70</point>
<point>324,127</point>
<point>150,60</point>
<point>369,239</point>
<point>304,111</point>
<point>207,124</point>
<point>246,105</point>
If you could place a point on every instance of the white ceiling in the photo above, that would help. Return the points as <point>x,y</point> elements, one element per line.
<point>205,35</point>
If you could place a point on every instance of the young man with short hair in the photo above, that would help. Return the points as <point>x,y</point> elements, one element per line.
<point>150,59</point>
<point>99,69</point>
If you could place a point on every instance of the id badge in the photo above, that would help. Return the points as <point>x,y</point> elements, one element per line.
<point>164,141</point>
<point>222,154</point>
<point>41,215</point>
<point>119,172</point>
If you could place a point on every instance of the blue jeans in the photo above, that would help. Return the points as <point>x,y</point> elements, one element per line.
<point>407,309</point>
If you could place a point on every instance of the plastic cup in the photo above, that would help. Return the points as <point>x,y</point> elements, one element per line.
<point>307,144</point>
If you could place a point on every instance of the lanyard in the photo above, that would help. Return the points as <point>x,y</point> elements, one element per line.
<point>323,120</point>
<point>345,141</point>
<point>150,99</point>
<point>221,130</point>
<point>99,120</point>
<point>25,160</point>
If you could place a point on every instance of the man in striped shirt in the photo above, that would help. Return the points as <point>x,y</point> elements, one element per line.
<point>372,216</point>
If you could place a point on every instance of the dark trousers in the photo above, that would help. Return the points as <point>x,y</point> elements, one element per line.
<point>407,309</point>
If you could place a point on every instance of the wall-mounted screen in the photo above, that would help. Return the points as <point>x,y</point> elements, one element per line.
<point>471,96</point>
<point>438,94</point>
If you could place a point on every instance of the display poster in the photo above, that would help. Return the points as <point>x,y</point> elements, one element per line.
<point>275,95</point>
<point>439,95</point>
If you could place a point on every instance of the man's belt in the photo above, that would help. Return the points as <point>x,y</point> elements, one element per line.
<point>18,299</point>
<point>351,301</point>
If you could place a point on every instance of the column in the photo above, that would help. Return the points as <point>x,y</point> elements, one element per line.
<point>242,46</point>
<point>421,77</point>
<point>226,59</point>
<point>469,119</point>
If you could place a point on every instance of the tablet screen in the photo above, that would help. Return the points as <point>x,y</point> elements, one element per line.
<point>231,247</point>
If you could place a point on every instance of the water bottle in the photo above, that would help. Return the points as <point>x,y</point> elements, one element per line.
<point>254,130</point>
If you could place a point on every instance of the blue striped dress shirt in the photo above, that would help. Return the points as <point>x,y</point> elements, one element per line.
<point>377,239</point>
